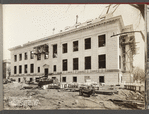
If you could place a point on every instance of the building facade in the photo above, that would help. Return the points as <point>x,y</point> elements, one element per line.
<point>91,50</point>
<point>6,68</point>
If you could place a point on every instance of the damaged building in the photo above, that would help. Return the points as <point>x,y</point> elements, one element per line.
<point>100,49</point>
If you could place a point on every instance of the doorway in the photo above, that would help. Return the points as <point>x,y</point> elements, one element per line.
<point>46,71</point>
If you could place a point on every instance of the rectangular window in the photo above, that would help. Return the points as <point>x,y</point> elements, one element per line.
<point>31,55</point>
<point>75,63</point>
<point>39,56</point>
<point>88,43</point>
<point>25,68</point>
<point>87,62</point>
<point>46,55</point>
<point>65,48</point>
<point>20,57</point>
<point>102,61</point>
<point>101,79</point>
<point>19,80</point>
<point>120,62</point>
<point>55,51</point>
<point>63,79</point>
<point>32,68</point>
<point>102,40</point>
<point>15,58</point>
<point>20,69</point>
<point>74,79</point>
<point>25,56</point>
<point>65,65</point>
<point>15,69</point>
<point>54,68</point>
<point>38,69</point>
<point>75,46</point>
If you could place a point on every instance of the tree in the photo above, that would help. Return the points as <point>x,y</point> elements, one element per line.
<point>138,74</point>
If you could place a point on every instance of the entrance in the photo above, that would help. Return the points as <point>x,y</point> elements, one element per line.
<point>46,71</point>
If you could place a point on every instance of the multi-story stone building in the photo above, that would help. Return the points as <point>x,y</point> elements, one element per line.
<point>93,49</point>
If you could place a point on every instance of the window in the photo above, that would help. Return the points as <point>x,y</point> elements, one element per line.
<point>38,69</point>
<point>75,46</point>
<point>54,68</point>
<point>102,40</point>
<point>74,79</point>
<point>75,63</point>
<point>32,68</point>
<point>15,58</point>
<point>31,55</point>
<point>25,68</point>
<point>101,79</point>
<point>102,61</point>
<point>120,62</point>
<point>65,65</point>
<point>20,57</point>
<point>55,51</point>
<point>31,79</point>
<point>87,62</point>
<point>20,69</point>
<point>63,79</point>
<point>19,80</point>
<point>65,48</point>
<point>88,43</point>
<point>39,56</point>
<point>54,78</point>
<point>46,55</point>
<point>25,56</point>
<point>15,69</point>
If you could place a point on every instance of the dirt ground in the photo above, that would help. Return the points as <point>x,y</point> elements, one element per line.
<point>60,99</point>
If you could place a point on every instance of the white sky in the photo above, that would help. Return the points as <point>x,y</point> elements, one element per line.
<point>23,23</point>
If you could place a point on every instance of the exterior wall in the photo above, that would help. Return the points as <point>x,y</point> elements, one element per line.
<point>6,69</point>
<point>111,50</point>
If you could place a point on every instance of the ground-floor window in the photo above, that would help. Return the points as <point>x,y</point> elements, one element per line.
<point>74,79</point>
<point>63,79</point>
<point>19,80</point>
<point>31,79</point>
<point>101,79</point>
<point>53,77</point>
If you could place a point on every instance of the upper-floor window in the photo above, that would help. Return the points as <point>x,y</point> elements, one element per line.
<point>120,62</point>
<point>65,65</point>
<point>32,68</point>
<point>55,51</point>
<point>46,55</point>
<point>75,46</point>
<point>25,55</point>
<point>102,61</point>
<point>20,57</point>
<point>102,40</point>
<point>20,69</point>
<point>75,63</point>
<point>15,58</point>
<point>88,62</point>
<point>15,69</point>
<point>25,68</point>
<point>65,48</point>
<point>39,56</point>
<point>88,43</point>
<point>31,55</point>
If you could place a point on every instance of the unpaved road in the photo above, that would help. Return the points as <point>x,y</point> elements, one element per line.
<point>54,99</point>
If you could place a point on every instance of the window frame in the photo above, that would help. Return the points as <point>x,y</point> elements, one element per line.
<point>102,42</point>
<point>87,45</point>
<point>87,67</point>
<point>100,61</point>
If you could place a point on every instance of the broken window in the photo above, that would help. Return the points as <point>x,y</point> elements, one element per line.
<point>15,58</point>
<point>102,40</point>
<point>39,56</point>
<point>120,62</point>
<point>63,79</point>
<point>20,69</point>
<point>65,65</point>
<point>54,68</point>
<point>32,68</point>
<point>75,63</point>
<point>25,68</point>
<point>55,51</point>
<point>88,62</point>
<point>20,57</point>
<point>65,48</point>
<point>102,61</point>
<point>46,55</point>
<point>25,56</point>
<point>88,43</point>
<point>38,69</point>
<point>74,79</point>
<point>15,69</point>
<point>101,79</point>
<point>75,46</point>
<point>31,55</point>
